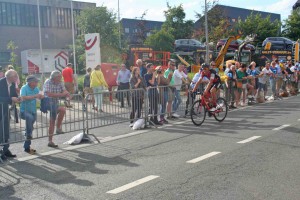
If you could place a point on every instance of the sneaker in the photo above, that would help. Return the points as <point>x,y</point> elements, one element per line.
<point>52,144</point>
<point>175,115</point>
<point>59,131</point>
<point>213,109</point>
<point>165,121</point>
<point>131,125</point>
<point>233,107</point>
<point>30,151</point>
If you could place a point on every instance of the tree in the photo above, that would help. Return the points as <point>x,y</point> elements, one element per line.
<point>262,27</point>
<point>142,30</point>
<point>291,26</point>
<point>13,56</point>
<point>160,40</point>
<point>100,20</point>
<point>223,30</point>
<point>175,23</point>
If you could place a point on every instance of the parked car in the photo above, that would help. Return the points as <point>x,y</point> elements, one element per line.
<point>279,43</point>
<point>188,45</point>
<point>234,45</point>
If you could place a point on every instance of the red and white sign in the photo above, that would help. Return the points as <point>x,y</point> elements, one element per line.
<point>92,50</point>
<point>53,59</point>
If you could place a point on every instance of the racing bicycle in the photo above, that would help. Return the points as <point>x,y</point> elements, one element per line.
<point>201,107</point>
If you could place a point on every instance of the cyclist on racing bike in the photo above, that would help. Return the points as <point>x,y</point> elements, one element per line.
<point>213,85</point>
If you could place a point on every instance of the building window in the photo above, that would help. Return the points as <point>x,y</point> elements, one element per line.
<point>126,30</point>
<point>4,57</point>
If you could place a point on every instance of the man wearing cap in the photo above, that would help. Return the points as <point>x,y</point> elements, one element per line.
<point>29,94</point>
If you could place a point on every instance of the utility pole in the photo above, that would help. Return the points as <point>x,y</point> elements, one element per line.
<point>120,45</point>
<point>41,45</point>
<point>206,35</point>
<point>73,39</point>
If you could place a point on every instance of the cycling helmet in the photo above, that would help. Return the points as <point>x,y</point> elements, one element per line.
<point>204,65</point>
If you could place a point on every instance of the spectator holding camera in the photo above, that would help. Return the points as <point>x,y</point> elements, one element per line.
<point>151,84</point>
<point>163,92</point>
<point>136,83</point>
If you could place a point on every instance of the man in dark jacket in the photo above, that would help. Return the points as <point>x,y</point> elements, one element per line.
<point>8,95</point>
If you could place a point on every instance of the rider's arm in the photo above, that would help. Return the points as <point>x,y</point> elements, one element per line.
<point>197,84</point>
<point>209,85</point>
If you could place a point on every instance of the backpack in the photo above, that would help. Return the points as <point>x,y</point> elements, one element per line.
<point>45,104</point>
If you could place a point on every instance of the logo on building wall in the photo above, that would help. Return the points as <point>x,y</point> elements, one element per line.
<point>89,44</point>
<point>61,60</point>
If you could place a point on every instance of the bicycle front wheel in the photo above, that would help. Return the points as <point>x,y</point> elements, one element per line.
<point>198,113</point>
<point>222,109</point>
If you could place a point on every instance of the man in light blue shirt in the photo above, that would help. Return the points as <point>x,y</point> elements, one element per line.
<point>29,94</point>
<point>123,84</point>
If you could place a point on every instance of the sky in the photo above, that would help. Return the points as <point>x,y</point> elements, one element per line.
<point>155,8</point>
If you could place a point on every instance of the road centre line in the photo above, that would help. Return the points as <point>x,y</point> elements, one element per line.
<point>132,184</point>
<point>248,140</point>
<point>203,157</point>
<point>281,127</point>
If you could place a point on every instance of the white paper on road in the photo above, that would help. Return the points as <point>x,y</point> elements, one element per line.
<point>76,139</point>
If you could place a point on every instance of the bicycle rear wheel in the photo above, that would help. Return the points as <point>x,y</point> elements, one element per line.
<point>222,109</point>
<point>198,113</point>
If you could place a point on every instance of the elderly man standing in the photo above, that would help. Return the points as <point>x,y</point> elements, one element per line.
<point>54,89</point>
<point>179,77</point>
<point>123,84</point>
<point>29,94</point>
<point>8,95</point>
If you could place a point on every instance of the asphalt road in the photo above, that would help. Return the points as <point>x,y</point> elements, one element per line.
<point>253,154</point>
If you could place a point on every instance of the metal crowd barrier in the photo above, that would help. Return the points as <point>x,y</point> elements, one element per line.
<point>11,122</point>
<point>104,109</point>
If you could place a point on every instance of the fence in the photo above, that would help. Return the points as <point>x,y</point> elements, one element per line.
<point>105,108</point>
<point>13,117</point>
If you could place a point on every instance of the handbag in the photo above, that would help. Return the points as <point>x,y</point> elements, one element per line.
<point>45,105</point>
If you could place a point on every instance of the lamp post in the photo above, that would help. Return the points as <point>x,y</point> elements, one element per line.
<point>40,39</point>
<point>206,35</point>
<point>73,39</point>
<point>119,24</point>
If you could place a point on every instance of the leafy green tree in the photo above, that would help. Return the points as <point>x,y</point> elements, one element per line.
<point>176,24</point>
<point>160,40</point>
<point>291,26</point>
<point>99,20</point>
<point>262,27</point>
<point>13,56</point>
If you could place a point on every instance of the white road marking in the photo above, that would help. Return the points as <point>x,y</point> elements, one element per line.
<point>281,127</point>
<point>248,140</point>
<point>203,157</point>
<point>133,184</point>
<point>77,146</point>
<point>108,139</point>
<point>28,158</point>
<point>51,152</point>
